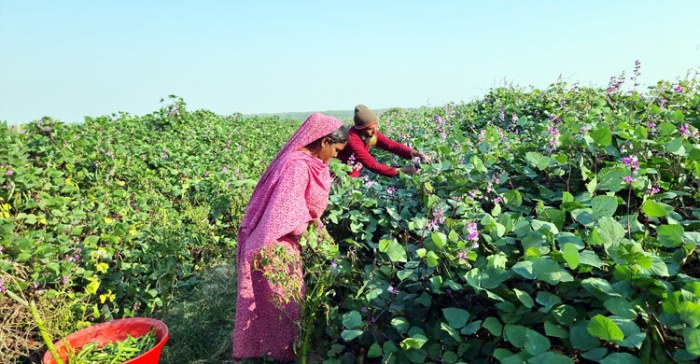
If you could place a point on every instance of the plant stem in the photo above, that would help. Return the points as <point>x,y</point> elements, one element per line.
<point>40,324</point>
<point>629,225</point>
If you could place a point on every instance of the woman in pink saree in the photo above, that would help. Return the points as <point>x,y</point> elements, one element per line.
<point>292,192</point>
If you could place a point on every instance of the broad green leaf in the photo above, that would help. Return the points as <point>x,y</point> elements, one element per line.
<point>555,330</point>
<point>547,270</point>
<point>692,340</point>
<point>602,136</point>
<point>415,343</point>
<point>620,358</point>
<point>439,239</point>
<point>581,339</point>
<point>493,325</point>
<point>515,334</point>
<point>375,351</point>
<point>570,254</point>
<point>524,298</point>
<point>589,258</point>
<point>604,206</point>
<point>612,178</point>
<point>619,306</point>
<point>690,313</point>
<point>432,259</point>
<point>400,324</point>
<point>536,343</point>
<point>548,300</point>
<point>670,236</point>
<point>550,358</point>
<point>456,317</point>
<point>656,209</point>
<point>348,335</point>
<point>352,320</point>
<point>450,331</point>
<point>394,250</point>
<point>524,268</point>
<point>604,328</point>
<point>610,231</point>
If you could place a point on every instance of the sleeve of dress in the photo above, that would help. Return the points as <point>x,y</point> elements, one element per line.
<point>392,146</point>
<point>362,155</point>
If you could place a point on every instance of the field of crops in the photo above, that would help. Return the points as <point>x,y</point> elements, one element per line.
<point>554,226</point>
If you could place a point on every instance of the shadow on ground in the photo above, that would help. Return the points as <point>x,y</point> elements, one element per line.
<point>201,323</point>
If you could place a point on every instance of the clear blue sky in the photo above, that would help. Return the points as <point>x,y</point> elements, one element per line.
<point>68,59</point>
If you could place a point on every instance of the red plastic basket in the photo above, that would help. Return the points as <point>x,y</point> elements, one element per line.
<point>115,331</point>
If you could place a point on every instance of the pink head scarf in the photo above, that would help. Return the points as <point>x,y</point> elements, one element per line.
<point>273,213</point>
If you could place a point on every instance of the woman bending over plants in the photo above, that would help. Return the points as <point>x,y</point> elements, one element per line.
<point>292,192</point>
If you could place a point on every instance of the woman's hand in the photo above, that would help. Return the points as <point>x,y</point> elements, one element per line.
<point>424,158</point>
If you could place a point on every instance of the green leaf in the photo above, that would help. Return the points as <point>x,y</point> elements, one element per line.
<point>619,306</point>
<point>536,343</point>
<point>610,231</point>
<point>602,136</point>
<point>524,268</point>
<point>590,258</point>
<point>670,236</point>
<point>547,270</point>
<point>456,317</point>
<point>432,259</point>
<point>524,298</point>
<point>581,339</point>
<point>394,250</point>
<point>604,328</point>
<point>620,358</point>
<point>550,358</point>
<point>493,325</point>
<point>570,254</point>
<point>439,239</point>
<point>400,324</point>
<point>515,334</point>
<point>348,335</point>
<point>415,343</point>
<point>656,209</point>
<point>450,331</point>
<point>555,330</point>
<point>675,146</point>
<point>537,160</point>
<point>352,320</point>
<point>689,313</point>
<point>375,351</point>
<point>548,300</point>
<point>611,178</point>
<point>604,206</point>
<point>692,340</point>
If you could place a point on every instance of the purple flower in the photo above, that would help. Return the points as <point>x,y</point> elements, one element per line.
<point>632,162</point>
<point>206,174</point>
<point>334,264</point>
<point>224,169</point>
<point>473,234</point>
<point>498,200</point>
<point>363,309</point>
<point>629,179</point>
<point>654,190</point>
<point>80,250</point>
<point>9,172</point>
<point>685,130</point>
<point>391,289</point>
<point>678,89</point>
<point>463,254</point>
<point>391,191</point>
